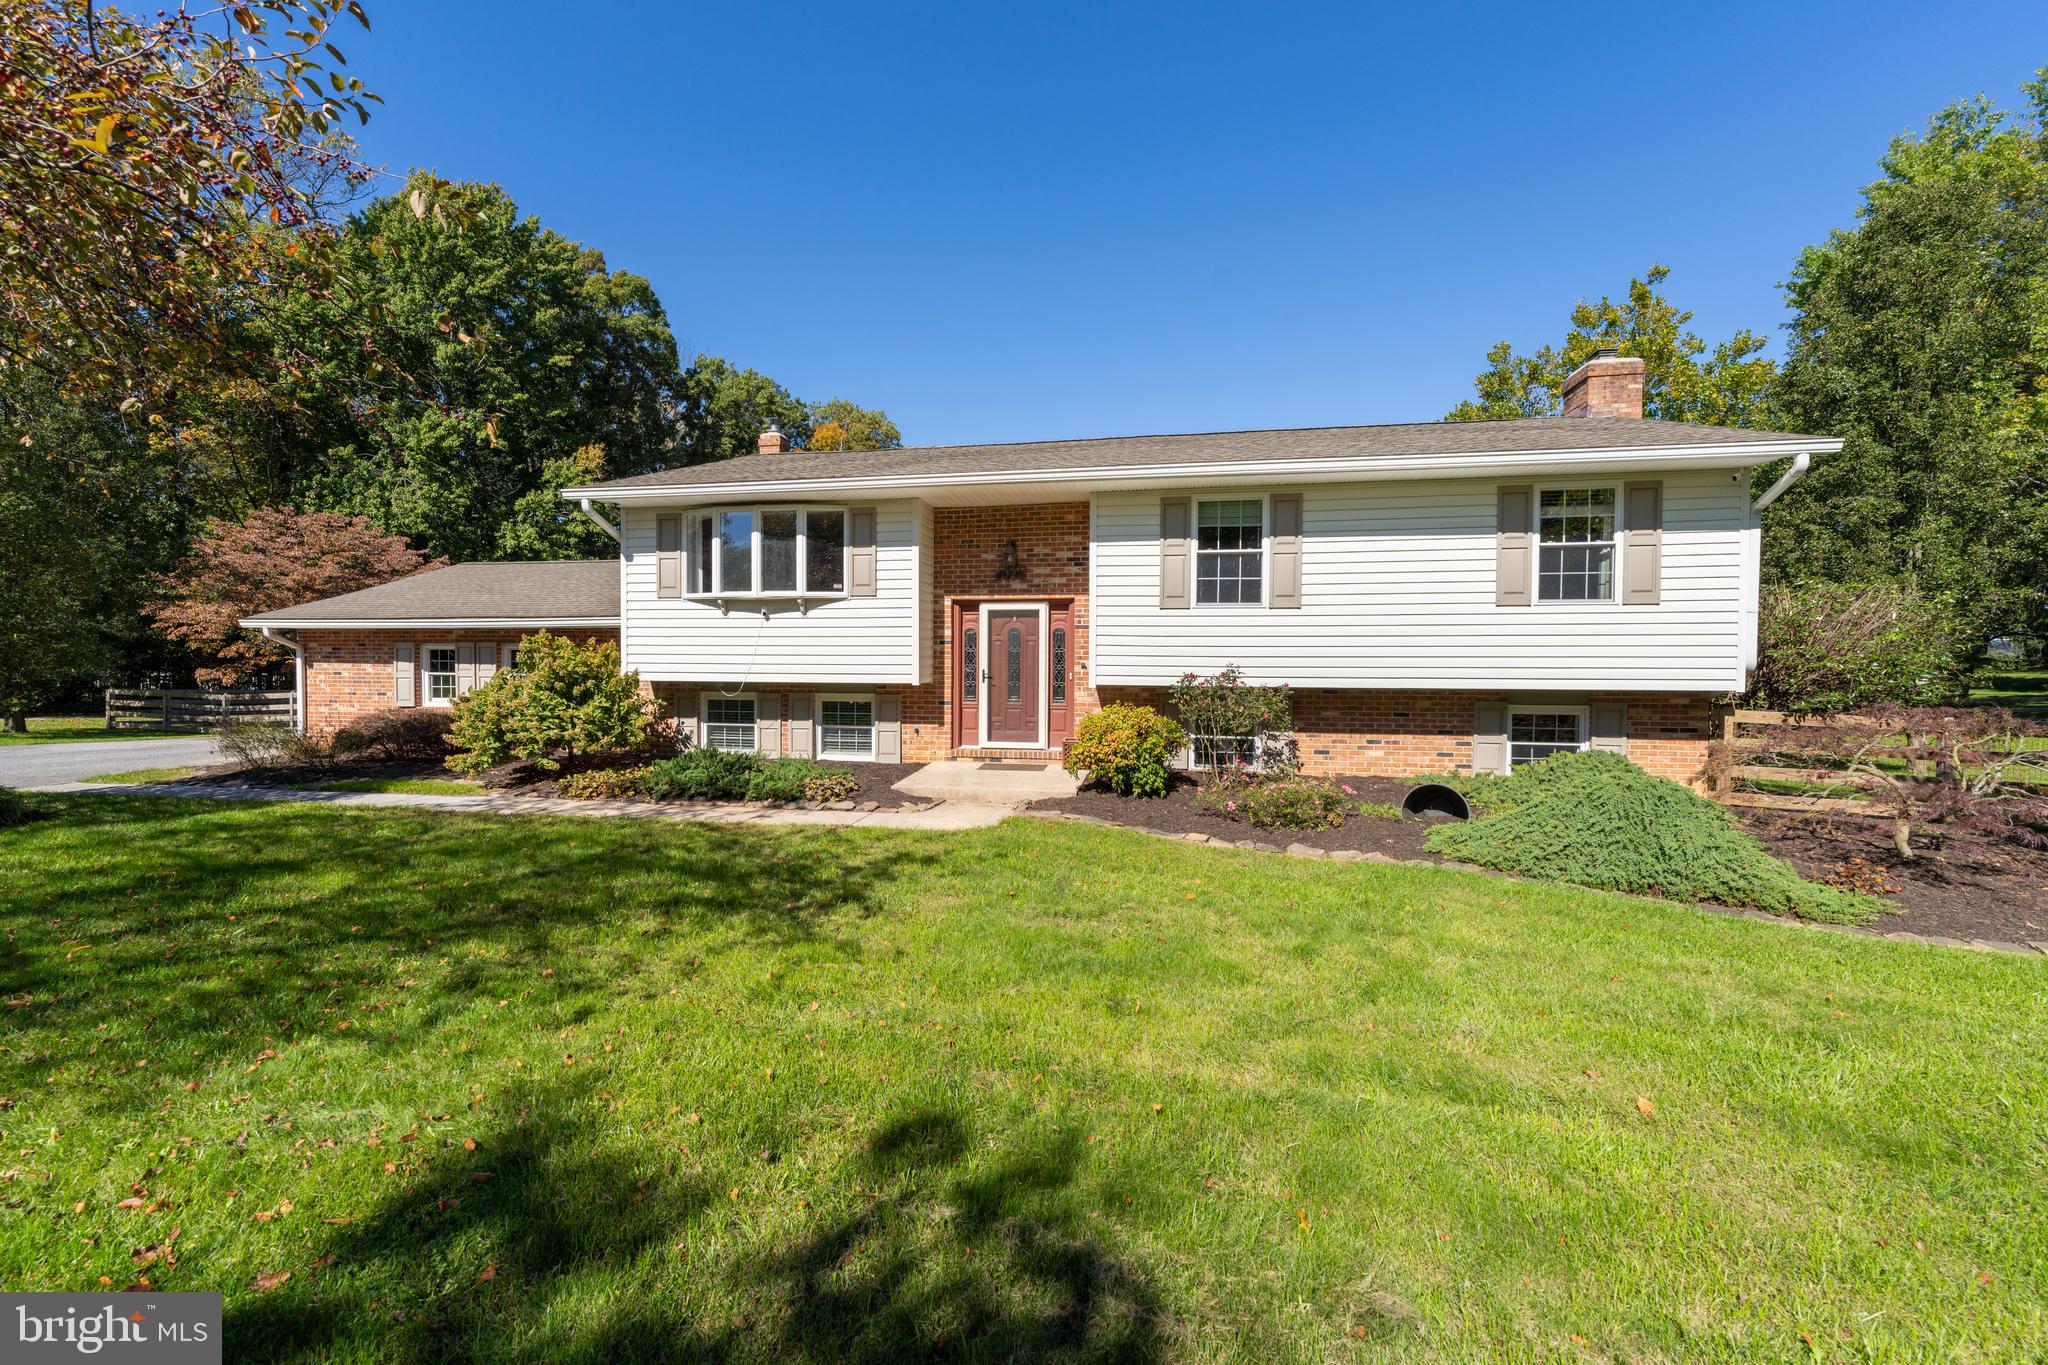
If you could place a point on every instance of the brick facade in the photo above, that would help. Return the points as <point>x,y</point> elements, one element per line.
<point>350,673</point>
<point>1366,732</point>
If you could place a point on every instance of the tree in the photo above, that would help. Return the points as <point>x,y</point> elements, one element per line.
<point>543,526</point>
<point>1683,381</point>
<point>277,557</point>
<point>502,348</point>
<point>843,425</point>
<point>1920,337</point>
<point>136,154</point>
<point>86,516</point>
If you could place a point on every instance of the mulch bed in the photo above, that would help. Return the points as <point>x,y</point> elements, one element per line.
<point>1177,813</point>
<point>877,780</point>
<point>1958,887</point>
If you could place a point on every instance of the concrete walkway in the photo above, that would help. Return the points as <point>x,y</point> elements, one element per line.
<point>942,816</point>
<point>1008,784</point>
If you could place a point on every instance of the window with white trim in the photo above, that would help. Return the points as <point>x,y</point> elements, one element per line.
<point>846,727</point>
<point>1575,545</point>
<point>438,667</point>
<point>766,552</point>
<point>1230,551</point>
<point>1537,734</point>
<point>729,724</point>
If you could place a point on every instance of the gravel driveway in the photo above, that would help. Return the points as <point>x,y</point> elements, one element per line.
<point>35,765</point>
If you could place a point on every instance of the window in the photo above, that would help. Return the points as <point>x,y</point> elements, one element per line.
<point>1013,669</point>
<point>511,658</point>
<point>1534,735</point>
<point>440,671</point>
<point>970,683</point>
<point>846,728</point>
<point>1059,665</point>
<point>736,551</point>
<point>825,552</point>
<point>1575,545</point>
<point>729,724</point>
<point>767,551</point>
<point>1230,552</point>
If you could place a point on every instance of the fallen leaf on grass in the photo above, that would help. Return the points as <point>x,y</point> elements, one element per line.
<point>129,1203</point>
<point>1644,1107</point>
<point>489,1272</point>
<point>271,1279</point>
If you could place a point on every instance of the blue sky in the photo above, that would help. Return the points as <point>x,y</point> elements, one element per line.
<point>1047,220</point>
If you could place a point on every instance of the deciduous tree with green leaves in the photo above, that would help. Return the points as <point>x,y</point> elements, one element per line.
<point>1684,379</point>
<point>1920,336</point>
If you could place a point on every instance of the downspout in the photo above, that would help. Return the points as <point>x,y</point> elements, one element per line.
<point>613,531</point>
<point>1800,464</point>
<point>298,676</point>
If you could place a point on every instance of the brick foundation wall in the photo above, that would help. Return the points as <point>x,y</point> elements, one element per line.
<point>350,673</point>
<point>1382,733</point>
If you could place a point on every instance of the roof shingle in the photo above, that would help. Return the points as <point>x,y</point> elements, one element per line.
<point>516,593</point>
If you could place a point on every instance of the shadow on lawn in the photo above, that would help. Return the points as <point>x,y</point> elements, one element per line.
<point>128,913</point>
<point>574,1235</point>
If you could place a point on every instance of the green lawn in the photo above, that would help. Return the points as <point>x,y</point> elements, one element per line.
<point>587,1090</point>
<point>73,729</point>
<point>413,786</point>
<point>144,775</point>
<point>2026,693</point>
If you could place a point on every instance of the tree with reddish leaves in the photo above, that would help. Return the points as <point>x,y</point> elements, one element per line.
<point>1929,769</point>
<point>275,558</point>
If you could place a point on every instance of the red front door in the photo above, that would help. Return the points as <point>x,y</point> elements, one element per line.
<point>1012,663</point>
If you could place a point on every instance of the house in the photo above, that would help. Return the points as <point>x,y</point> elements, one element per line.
<point>1438,595</point>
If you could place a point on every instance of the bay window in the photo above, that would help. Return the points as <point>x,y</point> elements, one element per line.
<point>766,551</point>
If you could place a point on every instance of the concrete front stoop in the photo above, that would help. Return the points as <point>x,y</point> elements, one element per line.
<point>984,783</point>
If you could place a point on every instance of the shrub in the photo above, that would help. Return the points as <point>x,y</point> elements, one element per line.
<point>14,808</point>
<point>604,784</point>
<point>270,744</point>
<point>401,732</point>
<point>1287,802</point>
<point>1837,647</point>
<point>1126,748</point>
<point>701,775</point>
<point>800,779</point>
<point>1225,707</point>
<point>1598,820</point>
<point>564,698</point>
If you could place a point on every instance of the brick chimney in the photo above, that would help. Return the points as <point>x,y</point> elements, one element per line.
<point>773,442</point>
<point>1607,385</point>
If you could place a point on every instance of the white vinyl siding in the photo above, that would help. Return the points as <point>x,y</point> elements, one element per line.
<point>848,640</point>
<point>1397,590</point>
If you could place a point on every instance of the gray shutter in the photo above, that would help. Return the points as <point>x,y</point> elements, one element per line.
<point>888,729</point>
<point>683,706</point>
<point>860,552</point>
<point>465,668</point>
<point>1286,551</point>
<point>1174,569</point>
<point>1609,726</point>
<point>404,677</point>
<point>1513,548</point>
<point>768,725</point>
<point>800,731</point>
<point>486,663</point>
<point>1490,738</point>
<point>668,555</point>
<point>1642,544</point>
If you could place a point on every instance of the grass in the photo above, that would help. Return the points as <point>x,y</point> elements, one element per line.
<point>2018,691</point>
<point>144,775</point>
<point>411,786</point>
<point>588,1090</point>
<point>77,729</point>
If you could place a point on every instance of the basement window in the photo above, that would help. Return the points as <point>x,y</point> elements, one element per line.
<point>729,724</point>
<point>1536,735</point>
<point>846,727</point>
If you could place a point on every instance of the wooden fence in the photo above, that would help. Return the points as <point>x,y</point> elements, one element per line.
<point>190,709</point>
<point>1732,723</point>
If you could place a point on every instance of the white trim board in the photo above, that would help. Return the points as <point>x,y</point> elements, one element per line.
<point>1044,612</point>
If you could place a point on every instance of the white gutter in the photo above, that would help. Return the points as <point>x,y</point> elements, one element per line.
<point>590,512</point>
<point>1712,455</point>
<point>1800,464</point>
<point>437,623</point>
<point>298,675</point>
